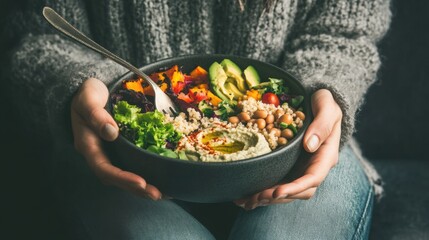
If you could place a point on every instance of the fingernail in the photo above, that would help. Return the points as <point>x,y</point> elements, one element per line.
<point>109,132</point>
<point>313,143</point>
<point>153,197</point>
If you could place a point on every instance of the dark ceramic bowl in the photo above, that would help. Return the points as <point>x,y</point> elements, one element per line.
<point>209,182</point>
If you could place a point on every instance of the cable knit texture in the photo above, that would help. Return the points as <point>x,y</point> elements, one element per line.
<point>325,43</point>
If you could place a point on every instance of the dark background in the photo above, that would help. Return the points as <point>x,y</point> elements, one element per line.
<point>394,121</point>
<point>392,125</point>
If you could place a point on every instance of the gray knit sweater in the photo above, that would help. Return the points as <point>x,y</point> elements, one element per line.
<point>325,43</point>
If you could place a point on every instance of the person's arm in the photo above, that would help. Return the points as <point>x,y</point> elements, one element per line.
<point>46,71</point>
<point>334,53</point>
<point>44,68</point>
<point>335,48</point>
<point>51,80</point>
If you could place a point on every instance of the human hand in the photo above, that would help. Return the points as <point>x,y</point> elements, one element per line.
<point>322,139</point>
<point>90,121</point>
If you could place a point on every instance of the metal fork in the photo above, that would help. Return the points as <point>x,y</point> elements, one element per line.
<point>163,103</point>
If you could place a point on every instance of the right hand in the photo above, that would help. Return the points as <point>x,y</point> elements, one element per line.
<point>91,122</point>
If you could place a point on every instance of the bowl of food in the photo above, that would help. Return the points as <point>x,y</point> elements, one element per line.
<point>239,131</point>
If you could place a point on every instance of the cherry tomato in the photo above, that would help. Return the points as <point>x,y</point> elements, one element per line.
<point>270,98</point>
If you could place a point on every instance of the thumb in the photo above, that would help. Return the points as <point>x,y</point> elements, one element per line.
<point>327,114</point>
<point>89,103</point>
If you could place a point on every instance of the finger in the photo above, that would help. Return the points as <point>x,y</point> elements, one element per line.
<point>267,194</point>
<point>89,103</point>
<point>100,164</point>
<point>277,201</point>
<point>263,198</point>
<point>320,165</point>
<point>327,113</point>
<point>312,178</point>
<point>149,192</point>
<point>252,202</point>
<point>259,199</point>
<point>248,203</point>
<point>89,145</point>
<point>305,195</point>
<point>153,192</point>
<point>128,181</point>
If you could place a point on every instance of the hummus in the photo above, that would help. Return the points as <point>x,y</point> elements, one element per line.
<point>221,143</point>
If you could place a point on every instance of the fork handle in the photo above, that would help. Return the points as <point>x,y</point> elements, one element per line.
<point>65,27</point>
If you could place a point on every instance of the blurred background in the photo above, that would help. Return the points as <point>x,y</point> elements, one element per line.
<point>392,128</point>
<point>393,123</point>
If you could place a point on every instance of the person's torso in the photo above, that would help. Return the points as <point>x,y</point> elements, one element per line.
<point>145,31</point>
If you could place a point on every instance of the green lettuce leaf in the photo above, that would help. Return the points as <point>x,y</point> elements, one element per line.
<point>144,129</point>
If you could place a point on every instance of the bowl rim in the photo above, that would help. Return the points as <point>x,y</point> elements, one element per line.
<point>296,140</point>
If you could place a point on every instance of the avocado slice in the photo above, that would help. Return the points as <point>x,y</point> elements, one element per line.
<point>218,78</point>
<point>230,87</point>
<point>251,76</point>
<point>234,71</point>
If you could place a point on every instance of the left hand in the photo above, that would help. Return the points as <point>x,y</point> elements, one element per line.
<point>90,124</point>
<point>322,139</point>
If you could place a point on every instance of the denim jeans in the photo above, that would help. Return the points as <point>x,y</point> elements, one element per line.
<point>340,209</point>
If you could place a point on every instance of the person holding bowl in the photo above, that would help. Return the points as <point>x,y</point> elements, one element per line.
<point>61,87</point>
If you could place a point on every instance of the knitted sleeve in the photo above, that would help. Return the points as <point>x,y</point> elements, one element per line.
<point>45,69</point>
<point>334,47</point>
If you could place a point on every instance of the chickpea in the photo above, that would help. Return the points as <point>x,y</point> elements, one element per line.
<point>269,126</point>
<point>243,116</point>
<point>282,141</point>
<point>277,132</point>
<point>261,123</point>
<point>234,120</point>
<point>278,113</point>
<point>300,115</point>
<point>286,118</point>
<point>269,118</point>
<point>287,133</point>
<point>260,114</point>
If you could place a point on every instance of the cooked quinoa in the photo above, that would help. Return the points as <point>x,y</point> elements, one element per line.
<point>193,121</point>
